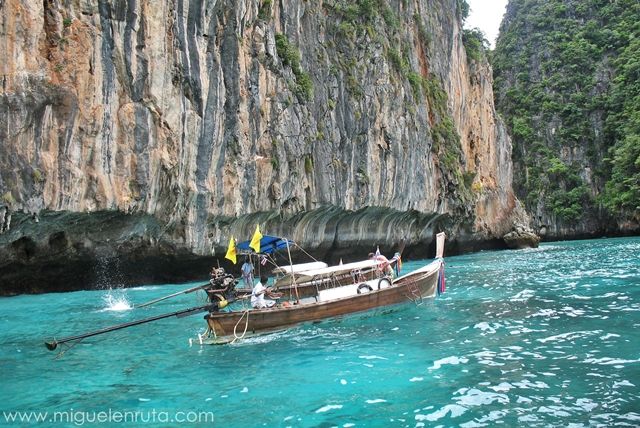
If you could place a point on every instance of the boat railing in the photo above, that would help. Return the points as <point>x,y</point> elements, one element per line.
<point>416,275</point>
<point>331,280</point>
<point>355,276</point>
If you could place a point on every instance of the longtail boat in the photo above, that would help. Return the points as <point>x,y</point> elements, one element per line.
<point>330,302</point>
<point>369,287</point>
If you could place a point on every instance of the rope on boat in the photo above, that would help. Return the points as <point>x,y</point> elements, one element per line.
<point>302,249</point>
<point>412,288</point>
<point>202,337</point>
<point>246,325</point>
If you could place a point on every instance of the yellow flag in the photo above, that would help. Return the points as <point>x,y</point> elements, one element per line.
<point>231,252</point>
<point>255,241</point>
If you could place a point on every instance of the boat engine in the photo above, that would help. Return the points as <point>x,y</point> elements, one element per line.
<point>221,286</point>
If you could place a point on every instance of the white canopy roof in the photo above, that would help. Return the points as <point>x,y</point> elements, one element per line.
<point>365,264</point>
<point>300,267</point>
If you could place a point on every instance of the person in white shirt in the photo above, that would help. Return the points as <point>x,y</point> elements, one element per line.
<point>257,295</point>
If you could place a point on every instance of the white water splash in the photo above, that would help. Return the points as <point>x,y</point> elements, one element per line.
<point>116,302</point>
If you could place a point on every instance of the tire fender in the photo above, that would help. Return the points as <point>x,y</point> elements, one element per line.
<point>382,281</point>
<point>364,286</point>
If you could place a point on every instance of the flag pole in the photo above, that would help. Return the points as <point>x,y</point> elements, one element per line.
<point>293,276</point>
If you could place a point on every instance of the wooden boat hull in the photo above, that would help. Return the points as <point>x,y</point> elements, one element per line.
<point>411,287</point>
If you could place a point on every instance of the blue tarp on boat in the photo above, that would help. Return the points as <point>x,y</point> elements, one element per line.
<point>268,244</point>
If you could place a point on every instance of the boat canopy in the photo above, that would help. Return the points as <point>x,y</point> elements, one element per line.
<point>324,273</point>
<point>338,269</point>
<point>268,245</point>
<point>300,267</point>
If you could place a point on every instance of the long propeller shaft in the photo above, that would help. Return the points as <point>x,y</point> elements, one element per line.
<point>182,313</point>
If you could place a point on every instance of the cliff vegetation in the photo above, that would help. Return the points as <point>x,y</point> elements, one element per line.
<point>567,82</point>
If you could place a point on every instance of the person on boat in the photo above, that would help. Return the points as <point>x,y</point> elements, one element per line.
<point>383,263</point>
<point>247,273</point>
<point>221,285</point>
<point>259,291</point>
<point>396,262</point>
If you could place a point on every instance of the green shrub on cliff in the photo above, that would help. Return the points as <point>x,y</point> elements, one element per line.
<point>463,9</point>
<point>8,199</point>
<point>290,56</point>
<point>475,43</point>
<point>265,10</point>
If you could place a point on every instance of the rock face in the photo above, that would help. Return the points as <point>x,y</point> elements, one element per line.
<point>521,237</point>
<point>202,118</point>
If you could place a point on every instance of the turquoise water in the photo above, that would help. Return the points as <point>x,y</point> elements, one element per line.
<point>544,337</point>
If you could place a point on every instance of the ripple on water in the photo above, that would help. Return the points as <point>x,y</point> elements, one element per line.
<point>569,336</point>
<point>545,337</point>
<point>475,397</point>
<point>487,328</point>
<point>453,410</point>
<point>329,407</point>
<point>608,361</point>
<point>371,357</point>
<point>523,296</point>
<point>448,360</point>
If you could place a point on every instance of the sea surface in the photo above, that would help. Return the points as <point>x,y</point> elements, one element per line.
<point>540,337</point>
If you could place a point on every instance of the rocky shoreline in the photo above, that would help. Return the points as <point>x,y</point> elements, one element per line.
<point>66,251</point>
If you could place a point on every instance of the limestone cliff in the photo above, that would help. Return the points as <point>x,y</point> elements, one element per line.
<point>206,117</point>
